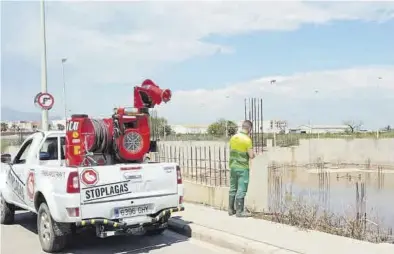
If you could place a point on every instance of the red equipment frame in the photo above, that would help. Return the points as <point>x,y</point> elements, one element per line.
<point>117,136</point>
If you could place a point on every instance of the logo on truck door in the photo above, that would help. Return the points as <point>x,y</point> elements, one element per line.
<point>16,184</point>
<point>89,176</point>
<point>30,185</point>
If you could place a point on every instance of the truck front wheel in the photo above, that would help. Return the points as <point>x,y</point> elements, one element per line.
<point>7,212</point>
<point>53,235</point>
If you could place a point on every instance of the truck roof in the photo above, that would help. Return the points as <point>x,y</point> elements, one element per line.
<point>48,133</point>
<point>54,132</point>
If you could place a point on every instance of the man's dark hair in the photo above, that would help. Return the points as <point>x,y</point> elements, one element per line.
<point>247,124</point>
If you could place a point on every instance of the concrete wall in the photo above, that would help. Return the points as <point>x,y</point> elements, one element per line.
<point>257,196</point>
<point>310,150</point>
<point>379,151</point>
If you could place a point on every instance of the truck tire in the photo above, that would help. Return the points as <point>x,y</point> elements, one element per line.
<point>7,212</point>
<point>53,235</point>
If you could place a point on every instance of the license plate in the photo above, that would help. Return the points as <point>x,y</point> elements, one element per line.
<point>131,211</point>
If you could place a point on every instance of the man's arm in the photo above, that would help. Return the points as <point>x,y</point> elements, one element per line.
<point>250,150</point>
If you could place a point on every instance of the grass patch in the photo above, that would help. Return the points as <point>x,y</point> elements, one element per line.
<point>4,145</point>
<point>306,215</point>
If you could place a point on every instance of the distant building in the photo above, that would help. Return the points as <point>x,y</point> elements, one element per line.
<point>36,125</point>
<point>20,126</point>
<point>58,123</point>
<point>189,129</point>
<point>314,129</point>
<point>268,126</point>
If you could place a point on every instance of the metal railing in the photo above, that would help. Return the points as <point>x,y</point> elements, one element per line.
<point>200,164</point>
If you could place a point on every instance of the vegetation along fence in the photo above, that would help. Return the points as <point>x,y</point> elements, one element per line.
<point>334,201</point>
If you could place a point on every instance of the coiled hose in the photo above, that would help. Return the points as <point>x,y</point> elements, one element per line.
<point>102,141</point>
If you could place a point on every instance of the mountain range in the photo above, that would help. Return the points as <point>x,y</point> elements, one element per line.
<point>9,114</point>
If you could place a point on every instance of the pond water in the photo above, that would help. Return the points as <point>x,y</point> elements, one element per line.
<point>341,193</point>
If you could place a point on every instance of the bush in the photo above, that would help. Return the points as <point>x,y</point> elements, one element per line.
<point>306,215</point>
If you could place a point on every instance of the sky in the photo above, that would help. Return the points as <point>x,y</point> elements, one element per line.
<point>332,61</point>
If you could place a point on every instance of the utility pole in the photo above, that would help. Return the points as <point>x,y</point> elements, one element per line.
<point>44,119</point>
<point>64,90</point>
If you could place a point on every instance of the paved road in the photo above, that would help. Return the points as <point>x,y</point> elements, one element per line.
<point>21,238</point>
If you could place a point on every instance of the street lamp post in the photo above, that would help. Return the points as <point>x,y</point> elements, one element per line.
<point>377,130</point>
<point>64,89</point>
<point>44,118</point>
<point>226,126</point>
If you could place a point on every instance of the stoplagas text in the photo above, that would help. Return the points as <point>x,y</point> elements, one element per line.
<point>106,191</point>
<point>16,185</point>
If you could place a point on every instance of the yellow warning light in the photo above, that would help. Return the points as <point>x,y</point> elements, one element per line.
<point>75,134</point>
<point>77,150</point>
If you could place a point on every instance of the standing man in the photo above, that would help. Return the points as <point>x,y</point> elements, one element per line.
<point>241,151</point>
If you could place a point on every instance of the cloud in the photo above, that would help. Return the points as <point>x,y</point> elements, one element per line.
<point>341,94</point>
<point>109,42</point>
<point>124,42</point>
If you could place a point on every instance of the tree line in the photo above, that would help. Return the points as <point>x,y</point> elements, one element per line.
<point>161,127</point>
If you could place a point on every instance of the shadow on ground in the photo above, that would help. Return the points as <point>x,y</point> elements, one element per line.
<point>86,242</point>
<point>177,224</point>
<point>179,218</point>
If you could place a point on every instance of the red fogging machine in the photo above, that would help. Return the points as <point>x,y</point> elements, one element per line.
<point>125,137</point>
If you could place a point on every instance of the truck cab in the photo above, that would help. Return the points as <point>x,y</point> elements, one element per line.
<point>125,198</point>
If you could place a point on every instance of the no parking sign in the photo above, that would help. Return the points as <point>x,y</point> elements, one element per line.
<point>44,100</point>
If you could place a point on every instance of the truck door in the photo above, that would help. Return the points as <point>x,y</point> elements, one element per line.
<point>50,153</point>
<point>14,180</point>
<point>20,177</point>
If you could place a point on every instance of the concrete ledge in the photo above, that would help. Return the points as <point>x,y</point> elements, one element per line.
<point>217,196</point>
<point>224,239</point>
<point>213,196</point>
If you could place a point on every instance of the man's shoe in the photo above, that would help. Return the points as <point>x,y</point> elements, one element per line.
<point>240,209</point>
<point>231,201</point>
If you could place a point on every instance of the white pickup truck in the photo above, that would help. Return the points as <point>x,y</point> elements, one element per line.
<point>115,199</point>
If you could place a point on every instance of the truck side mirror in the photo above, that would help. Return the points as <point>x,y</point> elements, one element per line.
<point>6,158</point>
<point>44,156</point>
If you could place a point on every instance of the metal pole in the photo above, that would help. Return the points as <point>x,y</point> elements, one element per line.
<point>226,126</point>
<point>44,119</point>
<point>377,130</point>
<point>64,90</point>
<point>274,132</point>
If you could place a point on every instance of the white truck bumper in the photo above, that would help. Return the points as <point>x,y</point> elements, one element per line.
<point>132,225</point>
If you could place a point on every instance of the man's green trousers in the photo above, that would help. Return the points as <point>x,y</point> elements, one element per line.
<point>239,181</point>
